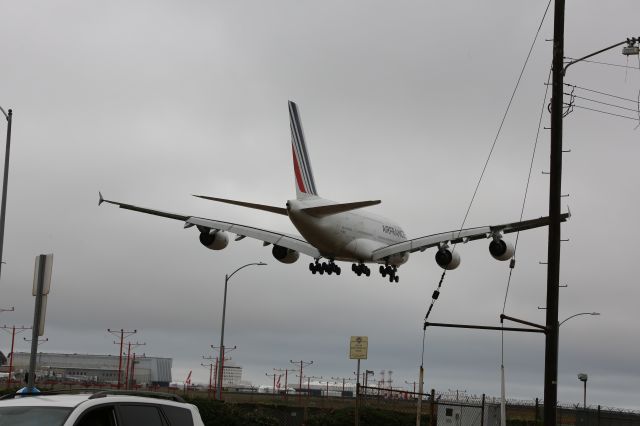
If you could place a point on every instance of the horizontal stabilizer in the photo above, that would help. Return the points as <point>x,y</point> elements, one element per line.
<point>271,209</point>
<point>330,209</point>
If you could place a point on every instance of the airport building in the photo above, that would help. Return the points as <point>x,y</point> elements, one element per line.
<point>232,375</point>
<point>147,371</point>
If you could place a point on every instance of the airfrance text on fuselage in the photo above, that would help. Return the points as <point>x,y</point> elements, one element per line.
<point>393,231</point>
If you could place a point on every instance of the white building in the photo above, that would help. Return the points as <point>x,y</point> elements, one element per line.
<point>232,374</point>
<point>97,368</point>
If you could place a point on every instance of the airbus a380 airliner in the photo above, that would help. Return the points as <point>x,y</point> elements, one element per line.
<point>340,231</point>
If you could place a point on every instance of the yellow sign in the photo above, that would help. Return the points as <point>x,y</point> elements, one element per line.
<point>358,347</point>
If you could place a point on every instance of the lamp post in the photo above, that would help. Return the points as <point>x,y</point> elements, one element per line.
<point>579,375</point>
<point>224,310</point>
<point>583,378</point>
<point>5,182</point>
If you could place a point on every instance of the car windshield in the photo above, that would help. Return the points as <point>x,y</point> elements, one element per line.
<point>33,416</point>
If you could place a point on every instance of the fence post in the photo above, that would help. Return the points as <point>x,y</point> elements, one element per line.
<point>559,415</point>
<point>432,411</point>
<point>482,412</point>
<point>537,414</point>
<point>598,414</point>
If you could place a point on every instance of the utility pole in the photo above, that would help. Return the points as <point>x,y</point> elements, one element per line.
<point>555,192</point>
<point>286,378</point>
<point>133,368</point>
<point>274,380</point>
<point>5,184</point>
<point>302,364</point>
<point>344,379</point>
<point>123,335</point>
<point>14,330</point>
<point>367,373</point>
<point>219,368</point>
<point>210,365</point>
<point>126,377</point>
<point>309,383</point>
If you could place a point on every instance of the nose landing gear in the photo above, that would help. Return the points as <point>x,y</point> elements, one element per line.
<point>392,271</point>
<point>321,268</point>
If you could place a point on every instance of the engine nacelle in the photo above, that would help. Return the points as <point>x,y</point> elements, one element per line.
<point>284,254</point>
<point>501,249</point>
<point>216,240</point>
<point>447,259</point>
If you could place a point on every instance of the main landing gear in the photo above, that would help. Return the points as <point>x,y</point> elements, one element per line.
<point>323,267</point>
<point>360,268</point>
<point>392,271</point>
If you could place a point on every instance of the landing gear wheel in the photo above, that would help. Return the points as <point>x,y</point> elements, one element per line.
<point>338,270</point>
<point>367,271</point>
<point>397,278</point>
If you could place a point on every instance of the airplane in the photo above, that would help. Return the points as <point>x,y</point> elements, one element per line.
<point>340,232</point>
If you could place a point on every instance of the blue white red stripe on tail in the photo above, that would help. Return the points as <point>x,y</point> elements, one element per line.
<point>305,184</point>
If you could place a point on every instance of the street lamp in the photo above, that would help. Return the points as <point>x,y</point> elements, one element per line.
<point>580,376</point>
<point>583,378</point>
<point>224,309</point>
<point>575,315</point>
<point>5,182</point>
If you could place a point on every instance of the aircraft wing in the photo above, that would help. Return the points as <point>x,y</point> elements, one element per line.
<point>266,236</point>
<point>460,236</point>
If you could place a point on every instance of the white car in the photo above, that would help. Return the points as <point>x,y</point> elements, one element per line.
<point>97,409</point>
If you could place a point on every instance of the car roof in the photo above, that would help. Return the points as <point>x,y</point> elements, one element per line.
<point>73,400</point>
<point>67,400</point>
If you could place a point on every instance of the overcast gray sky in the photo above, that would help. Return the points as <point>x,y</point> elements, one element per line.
<point>152,101</point>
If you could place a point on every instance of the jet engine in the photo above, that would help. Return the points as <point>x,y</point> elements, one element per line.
<point>501,249</point>
<point>284,254</point>
<point>214,239</point>
<point>447,259</point>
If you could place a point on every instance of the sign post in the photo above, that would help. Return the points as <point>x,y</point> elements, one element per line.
<point>358,348</point>
<point>41,287</point>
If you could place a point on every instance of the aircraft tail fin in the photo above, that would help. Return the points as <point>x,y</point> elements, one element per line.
<point>305,184</point>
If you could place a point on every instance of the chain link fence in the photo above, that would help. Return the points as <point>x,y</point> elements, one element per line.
<point>459,409</point>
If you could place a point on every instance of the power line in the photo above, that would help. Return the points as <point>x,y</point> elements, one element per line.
<point>484,168</point>
<point>602,103</point>
<point>504,117</point>
<point>605,112</point>
<point>601,93</point>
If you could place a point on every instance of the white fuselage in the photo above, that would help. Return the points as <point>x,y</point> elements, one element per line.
<point>350,236</point>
